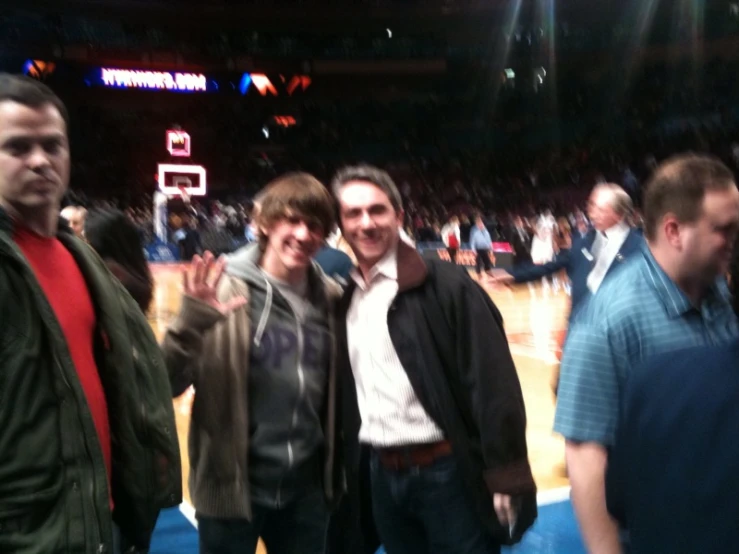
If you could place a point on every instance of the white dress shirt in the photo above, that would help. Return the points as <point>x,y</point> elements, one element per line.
<point>604,250</point>
<point>390,410</point>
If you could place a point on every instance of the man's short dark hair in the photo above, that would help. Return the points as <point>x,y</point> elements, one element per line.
<point>368,174</point>
<point>678,186</point>
<point>30,92</point>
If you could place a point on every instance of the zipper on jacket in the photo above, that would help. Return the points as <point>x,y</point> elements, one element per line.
<point>328,478</point>
<point>301,394</point>
<point>93,491</point>
<point>143,412</point>
<point>147,453</point>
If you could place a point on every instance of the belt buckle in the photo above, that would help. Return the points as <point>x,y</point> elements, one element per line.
<point>397,464</point>
<point>402,460</point>
<point>426,458</point>
<point>391,461</point>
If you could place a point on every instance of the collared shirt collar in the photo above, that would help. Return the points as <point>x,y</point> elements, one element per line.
<point>618,232</point>
<point>676,301</point>
<point>387,267</point>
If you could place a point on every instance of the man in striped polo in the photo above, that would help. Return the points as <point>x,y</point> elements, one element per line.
<point>672,295</point>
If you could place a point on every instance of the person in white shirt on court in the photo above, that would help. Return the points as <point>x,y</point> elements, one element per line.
<point>451,237</point>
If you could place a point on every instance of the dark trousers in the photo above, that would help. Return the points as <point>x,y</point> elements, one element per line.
<point>483,259</point>
<point>452,253</point>
<point>424,510</point>
<point>117,549</point>
<point>298,528</point>
<point>352,527</point>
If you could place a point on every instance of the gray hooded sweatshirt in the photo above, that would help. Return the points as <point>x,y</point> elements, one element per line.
<point>289,359</point>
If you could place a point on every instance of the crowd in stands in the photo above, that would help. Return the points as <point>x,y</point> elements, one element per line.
<point>493,146</point>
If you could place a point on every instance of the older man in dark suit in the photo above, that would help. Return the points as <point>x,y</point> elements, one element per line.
<point>594,256</point>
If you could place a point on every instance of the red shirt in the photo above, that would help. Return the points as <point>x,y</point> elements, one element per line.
<point>65,288</point>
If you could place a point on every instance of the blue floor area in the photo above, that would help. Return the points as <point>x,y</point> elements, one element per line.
<point>555,532</point>
<point>174,534</point>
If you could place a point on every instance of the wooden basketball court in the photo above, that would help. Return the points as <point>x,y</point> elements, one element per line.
<point>533,318</point>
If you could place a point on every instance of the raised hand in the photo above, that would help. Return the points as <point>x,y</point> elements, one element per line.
<point>196,283</point>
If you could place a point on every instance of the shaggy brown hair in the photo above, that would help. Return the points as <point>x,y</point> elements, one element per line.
<point>294,194</point>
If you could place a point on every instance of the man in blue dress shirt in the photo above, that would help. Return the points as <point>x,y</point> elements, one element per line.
<point>670,296</point>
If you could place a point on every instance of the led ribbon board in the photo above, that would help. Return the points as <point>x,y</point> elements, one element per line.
<point>153,80</point>
<point>266,87</point>
<point>38,69</point>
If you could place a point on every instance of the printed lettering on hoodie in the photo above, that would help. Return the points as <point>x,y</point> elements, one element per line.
<point>279,345</point>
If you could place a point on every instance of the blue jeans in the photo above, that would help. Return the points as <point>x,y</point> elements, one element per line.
<point>298,528</point>
<point>424,510</point>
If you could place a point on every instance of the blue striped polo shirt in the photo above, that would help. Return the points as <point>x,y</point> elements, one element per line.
<point>637,313</point>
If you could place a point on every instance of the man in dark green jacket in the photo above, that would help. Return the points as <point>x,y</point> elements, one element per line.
<point>88,446</point>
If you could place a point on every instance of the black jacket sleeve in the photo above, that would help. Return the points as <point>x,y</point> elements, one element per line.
<point>183,342</point>
<point>489,375</point>
<point>532,272</point>
<point>467,332</point>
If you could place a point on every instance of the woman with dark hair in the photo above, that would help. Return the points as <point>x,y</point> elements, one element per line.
<point>117,241</point>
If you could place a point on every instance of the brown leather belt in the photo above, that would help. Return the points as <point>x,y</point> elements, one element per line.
<point>417,455</point>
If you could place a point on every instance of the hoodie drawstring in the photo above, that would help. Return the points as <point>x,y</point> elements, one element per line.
<point>265,315</point>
